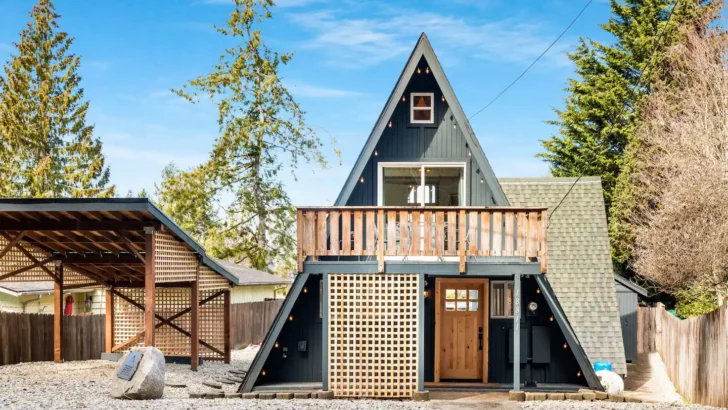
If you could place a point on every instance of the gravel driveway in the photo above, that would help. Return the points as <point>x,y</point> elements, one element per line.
<point>79,385</point>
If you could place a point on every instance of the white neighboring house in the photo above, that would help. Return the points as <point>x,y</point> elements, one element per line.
<point>37,297</point>
<point>255,286</point>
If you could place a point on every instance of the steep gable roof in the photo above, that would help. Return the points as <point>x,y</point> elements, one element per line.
<point>423,48</point>
<point>579,263</point>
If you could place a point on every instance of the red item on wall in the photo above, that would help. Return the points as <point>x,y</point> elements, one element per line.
<point>68,311</point>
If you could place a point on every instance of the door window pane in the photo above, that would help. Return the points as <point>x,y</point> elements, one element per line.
<point>449,305</point>
<point>401,186</point>
<point>450,294</point>
<point>473,294</point>
<point>443,186</point>
<point>462,306</point>
<point>462,294</point>
<point>473,306</point>
<point>501,299</point>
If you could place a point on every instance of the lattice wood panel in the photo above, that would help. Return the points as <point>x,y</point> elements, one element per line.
<point>210,280</point>
<point>15,259</point>
<point>128,319</point>
<point>169,302</point>
<point>373,335</point>
<point>173,261</point>
<point>212,326</point>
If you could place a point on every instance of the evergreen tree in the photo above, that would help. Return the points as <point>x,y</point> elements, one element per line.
<point>236,203</point>
<point>601,108</point>
<point>47,149</point>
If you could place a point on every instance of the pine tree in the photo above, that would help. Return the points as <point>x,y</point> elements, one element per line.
<point>236,201</point>
<point>602,106</point>
<point>47,149</point>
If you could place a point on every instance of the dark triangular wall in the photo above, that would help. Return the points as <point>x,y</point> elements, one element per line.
<point>450,139</point>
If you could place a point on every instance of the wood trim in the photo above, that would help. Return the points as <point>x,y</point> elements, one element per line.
<point>486,327</point>
<point>438,322</point>
<point>12,243</point>
<point>194,326</point>
<point>58,315</point>
<point>226,327</point>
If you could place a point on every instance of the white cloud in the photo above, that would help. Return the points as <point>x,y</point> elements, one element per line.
<point>313,91</point>
<point>357,42</point>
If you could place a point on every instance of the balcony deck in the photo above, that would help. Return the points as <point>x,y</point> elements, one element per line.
<point>417,232</point>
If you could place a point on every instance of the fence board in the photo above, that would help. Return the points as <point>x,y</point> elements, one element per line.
<point>695,351</point>
<point>26,337</point>
<point>250,321</point>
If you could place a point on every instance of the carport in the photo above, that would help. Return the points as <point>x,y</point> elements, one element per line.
<point>162,289</point>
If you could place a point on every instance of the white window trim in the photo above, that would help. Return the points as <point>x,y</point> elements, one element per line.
<point>492,283</point>
<point>422,166</point>
<point>431,109</point>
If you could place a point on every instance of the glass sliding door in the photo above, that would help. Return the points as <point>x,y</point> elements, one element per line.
<point>421,184</point>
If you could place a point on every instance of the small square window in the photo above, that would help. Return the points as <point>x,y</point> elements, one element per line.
<point>422,108</point>
<point>501,299</point>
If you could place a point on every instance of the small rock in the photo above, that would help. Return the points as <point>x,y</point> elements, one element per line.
<point>214,385</point>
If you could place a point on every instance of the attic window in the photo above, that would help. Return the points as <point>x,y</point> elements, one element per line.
<point>422,108</point>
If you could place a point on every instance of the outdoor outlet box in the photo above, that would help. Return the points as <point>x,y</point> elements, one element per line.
<point>302,346</point>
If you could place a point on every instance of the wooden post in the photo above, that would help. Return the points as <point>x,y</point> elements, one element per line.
<point>195,326</point>
<point>58,315</point>
<point>461,248</point>
<point>380,241</point>
<point>544,238</point>
<point>226,321</point>
<point>149,287</point>
<point>109,320</point>
<point>517,332</point>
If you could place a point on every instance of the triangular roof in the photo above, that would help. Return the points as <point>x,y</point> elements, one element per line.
<point>423,48</point>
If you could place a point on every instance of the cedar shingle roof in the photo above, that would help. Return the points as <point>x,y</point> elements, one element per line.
<point>579,261</point>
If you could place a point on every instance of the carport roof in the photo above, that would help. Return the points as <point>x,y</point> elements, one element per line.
<point>93,226</point>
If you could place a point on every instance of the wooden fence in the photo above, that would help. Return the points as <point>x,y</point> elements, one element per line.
<point>250,321</point>
<point>26,337</point>
<point>695,351</point>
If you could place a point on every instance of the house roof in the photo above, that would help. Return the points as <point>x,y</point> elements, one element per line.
<point>579,260</point>
<point>631,286</point>
<point>29,214</point>
<point>423,48</point>
<point>248,276</point>
<point>25,288</point>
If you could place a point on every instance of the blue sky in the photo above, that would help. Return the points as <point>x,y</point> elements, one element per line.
<point>347,57</point>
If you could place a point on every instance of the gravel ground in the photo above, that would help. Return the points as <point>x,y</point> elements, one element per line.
<point>603,405</point>
<point>78,385</point>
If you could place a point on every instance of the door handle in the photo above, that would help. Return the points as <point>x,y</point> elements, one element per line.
<point>480,338</point>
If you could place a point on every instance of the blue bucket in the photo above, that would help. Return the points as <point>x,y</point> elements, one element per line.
<point>602,365</point>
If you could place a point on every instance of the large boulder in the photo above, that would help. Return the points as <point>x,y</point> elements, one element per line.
<point>148,379</point>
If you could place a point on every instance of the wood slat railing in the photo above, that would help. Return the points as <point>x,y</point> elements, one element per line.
<point>417,231</point>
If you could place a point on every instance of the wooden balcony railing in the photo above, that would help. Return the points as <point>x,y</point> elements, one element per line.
<point>417,231</point>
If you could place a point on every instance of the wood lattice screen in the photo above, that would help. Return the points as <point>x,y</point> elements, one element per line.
<point>15,259</point>
<point>173,261</point>
<point>170,301</point>
<point>212,325</point>
<point>373,335</point>
<point>210,280</point>
<point>128,319</point>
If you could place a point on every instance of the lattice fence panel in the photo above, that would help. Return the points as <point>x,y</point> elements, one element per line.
<point>71,277</point>
<point>212,325</point>
<point>373,335</point>
<point>169,302</point>
<point>210,280</point>
<point>173,261</point>
<point>128,319</point>
<point>15,259</point>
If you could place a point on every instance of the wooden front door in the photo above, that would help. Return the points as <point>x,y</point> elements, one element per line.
<point>461,329</point>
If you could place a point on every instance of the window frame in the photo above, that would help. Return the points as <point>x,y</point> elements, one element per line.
<point>492,300</point>
<point>423,166</point>
<point>413,108</point>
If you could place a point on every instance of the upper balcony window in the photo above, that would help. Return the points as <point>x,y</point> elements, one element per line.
<point>421,184</point>
<point>422,108</point>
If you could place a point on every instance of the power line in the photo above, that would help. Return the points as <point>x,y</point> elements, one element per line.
<point>534,61</point>
<point>655,44</point>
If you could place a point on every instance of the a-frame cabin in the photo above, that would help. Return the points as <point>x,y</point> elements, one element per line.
<point>424,270</point>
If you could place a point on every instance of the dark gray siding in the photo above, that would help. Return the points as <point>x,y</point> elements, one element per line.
<point>539,335</point>
<point>405,142</point>
<point>306,326</point>
<point>627,301</point>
